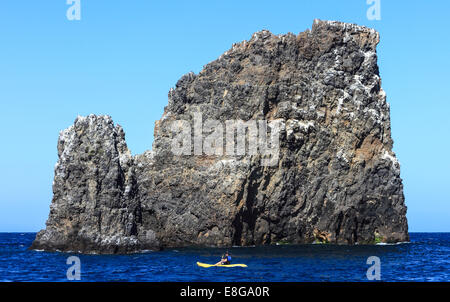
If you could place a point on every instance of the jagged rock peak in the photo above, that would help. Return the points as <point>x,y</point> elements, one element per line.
<point>335,178</point>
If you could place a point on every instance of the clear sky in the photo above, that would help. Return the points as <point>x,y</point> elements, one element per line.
<point>122,58</point>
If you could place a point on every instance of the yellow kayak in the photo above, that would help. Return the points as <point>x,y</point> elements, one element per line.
<point>220,265</point>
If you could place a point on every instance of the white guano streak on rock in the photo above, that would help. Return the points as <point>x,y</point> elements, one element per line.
<point>393,159</point>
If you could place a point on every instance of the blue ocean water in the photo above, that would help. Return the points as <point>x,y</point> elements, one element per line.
<point>425,258</point>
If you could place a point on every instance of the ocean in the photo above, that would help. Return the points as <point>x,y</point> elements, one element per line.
<point>425,258</point>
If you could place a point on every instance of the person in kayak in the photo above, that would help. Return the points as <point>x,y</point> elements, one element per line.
<point>226,259</point>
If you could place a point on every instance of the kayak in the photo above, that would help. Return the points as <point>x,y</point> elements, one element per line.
<point>220,265</point>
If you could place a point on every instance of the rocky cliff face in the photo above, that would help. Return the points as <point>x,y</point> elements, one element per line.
<point>335,178</point>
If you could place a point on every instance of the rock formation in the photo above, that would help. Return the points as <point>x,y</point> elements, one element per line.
<point>336,179</point>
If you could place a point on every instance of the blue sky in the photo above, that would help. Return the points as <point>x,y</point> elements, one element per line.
<point>122,58</point>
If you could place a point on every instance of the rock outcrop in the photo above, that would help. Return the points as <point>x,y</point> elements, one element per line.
<point>334,178</point>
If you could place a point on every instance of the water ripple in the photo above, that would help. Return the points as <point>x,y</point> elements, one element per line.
<point>426,258</point>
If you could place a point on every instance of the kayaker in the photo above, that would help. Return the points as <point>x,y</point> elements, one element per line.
<point>226,259</point>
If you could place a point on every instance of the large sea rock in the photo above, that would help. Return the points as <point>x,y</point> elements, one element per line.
<point>335,178</point>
